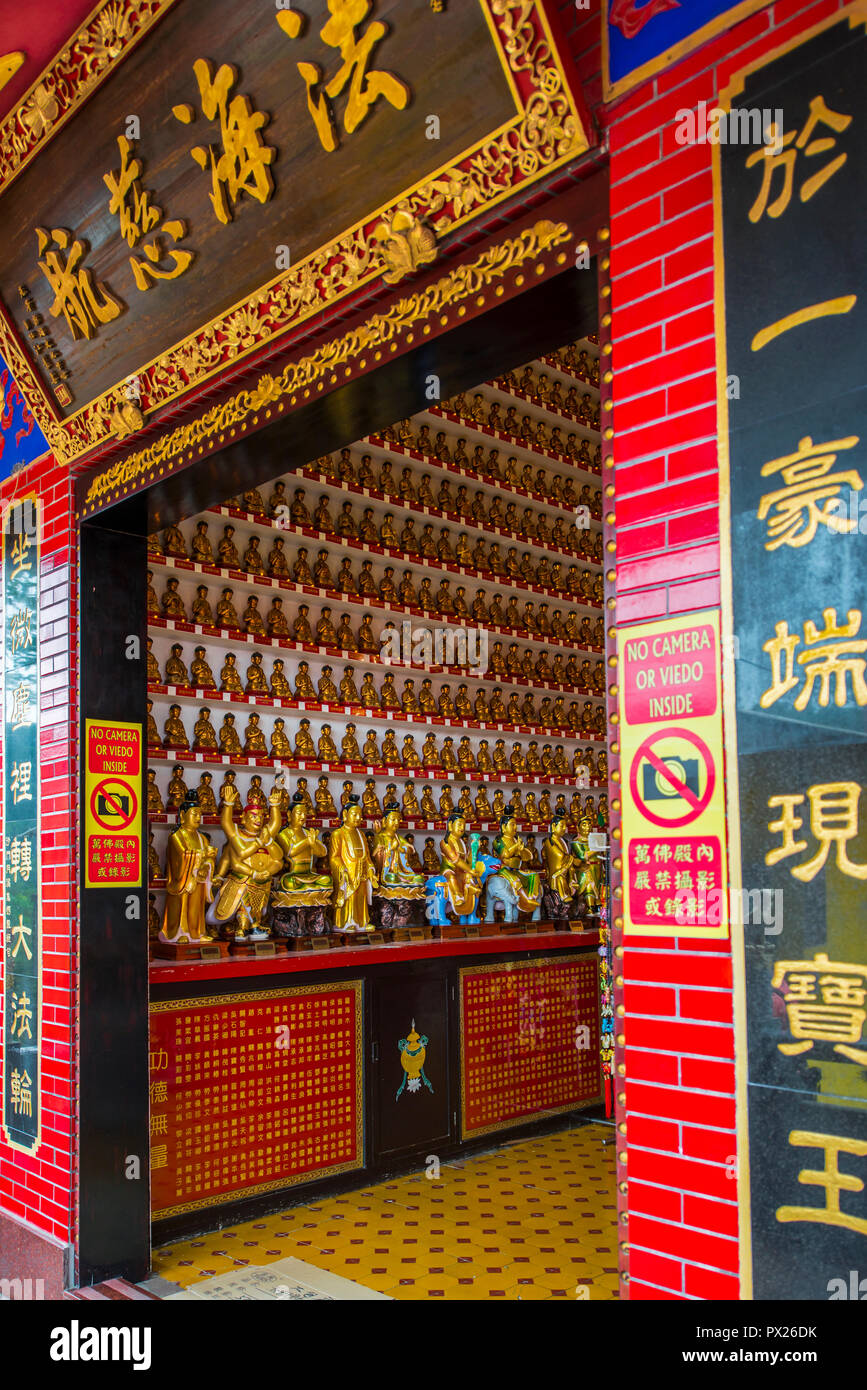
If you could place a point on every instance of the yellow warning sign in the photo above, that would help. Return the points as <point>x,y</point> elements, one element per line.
<point>112,805</point>
<point>674,850</point>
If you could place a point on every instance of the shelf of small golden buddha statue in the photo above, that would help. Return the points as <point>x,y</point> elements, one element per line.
<point>292,764</point>
<point>549,364</point>
<point>514,395</point>
<point>341,490</point>
<point>331,598</point>
<point>195,696</point>
<point>263,524</point>
<point>400,454</point>
<point>432,827</point>
<point>227,637</point>
<point>543,414</point>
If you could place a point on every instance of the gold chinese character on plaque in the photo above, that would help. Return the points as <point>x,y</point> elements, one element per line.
<point>832,653</point>
<point>83,302</point>
<point>811,496</point>
<point>830,1178</point>
<point>365,87</point>
<point>242,164</point>
<point>138,217</point>
<point>780,153</point>
<point>824,1002</point>
<point>833,821</point>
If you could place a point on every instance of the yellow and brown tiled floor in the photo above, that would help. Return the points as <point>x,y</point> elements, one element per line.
<point>529,1220</point>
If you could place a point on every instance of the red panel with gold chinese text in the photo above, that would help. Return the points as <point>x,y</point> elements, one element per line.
<point>529,1041</point>
<point>253,1092</point>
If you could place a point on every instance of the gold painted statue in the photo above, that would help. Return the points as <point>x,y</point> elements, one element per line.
<point>189,863</point>
<point>249,861</point>
<point>591,882</point>
<point>391,856</point>
<point>352,872</point>
<point>561,870</point>
<point>463,879</point>
<point>301,885</point>
<point>513,854</point>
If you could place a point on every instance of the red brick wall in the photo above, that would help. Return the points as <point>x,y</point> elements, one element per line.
<point>40,1189</point>
<point>679,1111</point>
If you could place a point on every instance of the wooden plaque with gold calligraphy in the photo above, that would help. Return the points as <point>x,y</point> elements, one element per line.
<point>246,167</point>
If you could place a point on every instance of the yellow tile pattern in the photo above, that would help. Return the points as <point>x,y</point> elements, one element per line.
<point>530,1220</point>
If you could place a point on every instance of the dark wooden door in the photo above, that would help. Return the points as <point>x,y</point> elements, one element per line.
<point>412,1105</point>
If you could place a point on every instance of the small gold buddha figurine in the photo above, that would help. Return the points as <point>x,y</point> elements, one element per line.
<point>349,749</point>
<point>428,805</point>
<point>348,689</point>
<point>346,526</point>
<point>345,637</point>
<point>426,699</point>
<point>445,704</point>
<point>153,733</point>
<point>326,689</point>
<point>516,759</point>
<point>176,671</point>
<point>430,753</point>
<point>202,677</point>
<point>531,810</point>
<point>327,747</point>
<point>175,735</point>
<point>425,597</point>
<point>275,619</point>
<point>277,498</point>
<point>204,733</point>
<point>227,551</point>
<point>465,804</point>
<point>153,603</point>
<point>324,800</point>
<point>172,603</point>
<point>501,759</point>
<point>280,745</point>
<point>322,576</point>
<point>252,618</point>
<point>253,562</point>
<point>390,750</point>
<point>229,677</point>
<point>409,801</point>
<point>482,806</point>
<point>466,759</point>
<point>256,682</point>
<point>303,741</point>
<point>279,684</point>
<point>229,741</point>
<point>326,635</point>
<point>369,696</point>
<point>387,589</point>
<point>516,799</point>
<point>202,612</point>
<point>202,550</point>
<point>322,518</point>
<point>409,754</point>
<point>227,786</point>
<point>254,738</point>
<point>430,858</point>
<point>278,566</point>
<point>207,800</point>
<point>448,761</point>
<point>370,752</point>
<point>406,592</point>
<point>153,669</point>
<point>496,705</point>
<point>303,791</point>
<point>366,581</point>
<point>255,795</point>
<point>155,544</point>
<point>174,543</point>
<point>388,697</point>
<point>298,511</point>
<point>302,630</point>
<point>227,614</point>
<point>346,793</point>
<point>303,684</point>
<point>387,533</point>
<point>367,642</point>
<point>177,789</point>
<point>370,801</point>
<point>499,803</point>
<point>446,804</point>
<point>483,757</point>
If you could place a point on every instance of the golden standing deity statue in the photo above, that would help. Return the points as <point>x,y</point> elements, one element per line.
<point>352,872</point>
<point>189,863</point>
